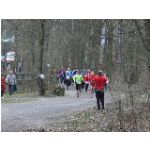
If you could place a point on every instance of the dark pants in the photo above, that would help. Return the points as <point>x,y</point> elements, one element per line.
<point>11,89</point>
<point>62,79</point>
<point>78,87</point>
<point>82,85</point>
<point>15,88</point>
<point>100,98</point>
<point>2,92</point>
<point>67,82</point>
<point>86,87</point>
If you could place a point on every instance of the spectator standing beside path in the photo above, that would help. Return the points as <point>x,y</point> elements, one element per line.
<point>11,81</point>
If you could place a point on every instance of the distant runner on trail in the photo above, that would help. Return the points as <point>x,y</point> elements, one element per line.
<point>100,82</point>
<point>74,71</point>
<point>61,75</point>
<point>78,79</point>
<point>92,83</point>
<point>87,80</point>
<point>68,76</point>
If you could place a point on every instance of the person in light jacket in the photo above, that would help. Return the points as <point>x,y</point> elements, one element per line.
<point>11,81</point>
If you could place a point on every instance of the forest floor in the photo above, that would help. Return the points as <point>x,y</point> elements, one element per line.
<point>70,113</point>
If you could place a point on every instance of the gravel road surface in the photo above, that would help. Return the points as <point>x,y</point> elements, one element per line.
<point>43,111</point>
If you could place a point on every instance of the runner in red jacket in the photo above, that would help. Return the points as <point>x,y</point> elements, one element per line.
<point>3,86</point>
<point>86,78</point>
<point>92,83</point>
<point>100,82</point>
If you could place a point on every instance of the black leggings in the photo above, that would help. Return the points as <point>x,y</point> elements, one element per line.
<point>78,87</point>
<point>67,82</point>
<point>86,87</point>
<point>100,98</point>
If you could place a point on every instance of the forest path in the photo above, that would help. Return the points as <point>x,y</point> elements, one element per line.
<point>40,113</point>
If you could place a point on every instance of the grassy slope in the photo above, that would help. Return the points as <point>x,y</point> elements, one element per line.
<point>108,120</point>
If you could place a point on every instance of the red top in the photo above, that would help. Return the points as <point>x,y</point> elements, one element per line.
<point>92,82</point>
<point>100,82</point>
<point>86,77</point>
<point>3,83</point>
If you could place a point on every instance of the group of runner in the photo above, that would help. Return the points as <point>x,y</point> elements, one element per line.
<point>87,80</point>
<point>82,79</point>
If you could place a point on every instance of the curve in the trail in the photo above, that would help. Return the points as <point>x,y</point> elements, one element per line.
<point>35,114</point>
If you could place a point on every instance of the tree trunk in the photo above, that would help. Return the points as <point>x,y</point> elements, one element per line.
<point>42,42</point>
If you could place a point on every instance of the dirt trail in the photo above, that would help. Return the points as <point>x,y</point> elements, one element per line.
<point>36,114</point>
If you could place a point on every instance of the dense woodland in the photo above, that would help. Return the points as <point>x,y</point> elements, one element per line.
<point>120,47</point>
